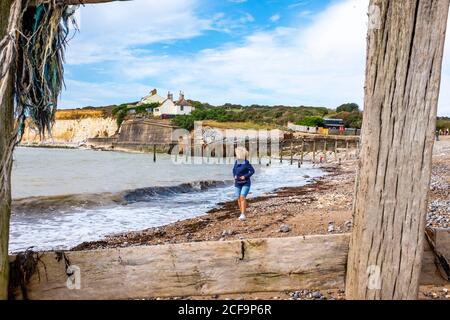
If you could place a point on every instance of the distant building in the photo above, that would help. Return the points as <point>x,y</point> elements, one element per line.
<point>337,124</point>
<point>153,97</point>
<point>169,107</point>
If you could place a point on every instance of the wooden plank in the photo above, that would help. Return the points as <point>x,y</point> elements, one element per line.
<point>439,241</point>
<point>202,268</point>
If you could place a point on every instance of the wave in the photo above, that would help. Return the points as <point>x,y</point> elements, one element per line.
<point>148,194</point>
<point>49,204</point>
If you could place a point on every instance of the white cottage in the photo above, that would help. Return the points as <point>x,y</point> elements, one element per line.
<point>153,97</point>
<point>170,107</point>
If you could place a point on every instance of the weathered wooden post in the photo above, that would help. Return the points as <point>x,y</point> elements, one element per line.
<point>6,136</point>
<point>335,149</point>
<point>292,152</point>
<point>302,151</point>
<point>281,151</point>
<point>314,150</point>
<point>403,75</point>
<point>346,150</point>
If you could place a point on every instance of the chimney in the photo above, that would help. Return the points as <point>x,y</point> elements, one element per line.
<point>181,95</point>
<point>153,92</point>
<point>170,96</point>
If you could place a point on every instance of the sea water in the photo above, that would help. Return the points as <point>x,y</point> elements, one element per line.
<point>63,197</point>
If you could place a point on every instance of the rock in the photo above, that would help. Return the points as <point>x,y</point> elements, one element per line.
<point>226,233</point>
<point>316,295</point>
<point>285,228</point>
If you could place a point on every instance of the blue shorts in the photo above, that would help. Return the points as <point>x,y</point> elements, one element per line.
<point>241,191</point>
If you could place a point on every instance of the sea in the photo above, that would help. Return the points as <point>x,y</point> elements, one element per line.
<point>63,197</point>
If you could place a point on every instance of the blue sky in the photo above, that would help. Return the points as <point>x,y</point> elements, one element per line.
<point>292,52</point>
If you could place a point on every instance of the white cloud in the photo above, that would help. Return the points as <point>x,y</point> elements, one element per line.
<point>275,18</point>
<point>110,30</point>
<point>321,64</point>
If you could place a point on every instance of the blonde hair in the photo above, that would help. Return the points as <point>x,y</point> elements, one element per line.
<point>241,153</point>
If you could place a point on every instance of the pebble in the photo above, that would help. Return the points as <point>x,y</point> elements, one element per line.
<point>227,233</point>
<point>285,228</point>
<point>316,295</point>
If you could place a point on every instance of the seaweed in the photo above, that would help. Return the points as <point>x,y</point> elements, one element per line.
<point>24,266</point>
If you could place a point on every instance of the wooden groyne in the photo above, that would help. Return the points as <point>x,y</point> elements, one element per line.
<point>205,268</point>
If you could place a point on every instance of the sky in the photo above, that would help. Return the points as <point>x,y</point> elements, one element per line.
<point>269,52</point>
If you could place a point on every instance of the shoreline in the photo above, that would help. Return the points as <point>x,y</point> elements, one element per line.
<point>322,207</point>
<point>221,223</point>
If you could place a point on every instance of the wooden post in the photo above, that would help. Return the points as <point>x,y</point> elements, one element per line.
<point>281,151</point>
<point>314,151</point>
<point>302,152</point>
<point>403,74</point>
<point>325,149</point>
<point>154,152</point>
<point>6,131</point>
<point>346,150</point>
<point>292,152</point>
<point>335,149</point>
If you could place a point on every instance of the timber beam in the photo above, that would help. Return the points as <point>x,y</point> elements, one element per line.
<point>201,268</point>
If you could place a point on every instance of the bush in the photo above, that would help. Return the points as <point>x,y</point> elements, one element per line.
<point>348,107</point>
<point>351,119</point>
<point>311,122</point>
<point>185,122</point>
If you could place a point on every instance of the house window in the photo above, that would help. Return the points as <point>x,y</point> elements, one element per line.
<point>182,108</point>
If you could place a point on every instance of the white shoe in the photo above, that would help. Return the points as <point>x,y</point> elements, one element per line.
<point>242,217</point>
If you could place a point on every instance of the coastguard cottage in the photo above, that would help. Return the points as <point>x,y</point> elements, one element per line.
<point>168,106</point>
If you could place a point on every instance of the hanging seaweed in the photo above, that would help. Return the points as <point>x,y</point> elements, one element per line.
<point>24,266</point>
<point>39,81</point>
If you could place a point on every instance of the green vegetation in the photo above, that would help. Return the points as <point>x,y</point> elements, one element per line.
<point>313,121</point>
<point>120,112</point>
<point>348,107</point>
<point>351,119</point>
<point>255,114</point>
<point>443,123</point>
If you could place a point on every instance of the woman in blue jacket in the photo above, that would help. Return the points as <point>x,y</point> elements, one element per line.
<point>242,172</point>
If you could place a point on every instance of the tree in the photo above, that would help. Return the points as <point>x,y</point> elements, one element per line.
<point>403,72</point>
<point>348,107</point>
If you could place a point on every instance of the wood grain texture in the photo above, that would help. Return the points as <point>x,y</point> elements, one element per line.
<point>404,59</point>
<point>202,268</point>
<point>6,130</point>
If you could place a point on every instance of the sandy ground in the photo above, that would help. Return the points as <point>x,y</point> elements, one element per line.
<point>322,207</point>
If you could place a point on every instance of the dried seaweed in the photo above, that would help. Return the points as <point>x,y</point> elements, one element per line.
<point>21,270</point>
<point>39,76</point>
